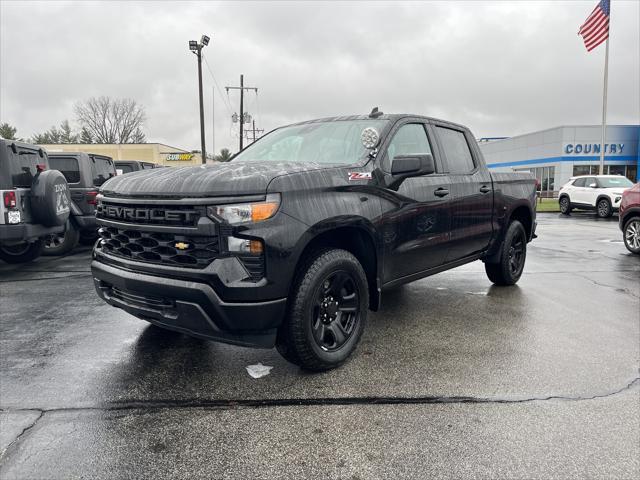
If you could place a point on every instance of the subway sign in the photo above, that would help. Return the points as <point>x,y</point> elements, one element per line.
<point>179,157</point>
<point>593,148</point>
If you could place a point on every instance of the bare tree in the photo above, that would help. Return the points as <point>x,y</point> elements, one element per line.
<point>111,120</point>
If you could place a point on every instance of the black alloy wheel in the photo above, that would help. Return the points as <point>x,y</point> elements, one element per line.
<point>326,311</point>
<point>565,205</point>
<point>516,253</point>
<point>336,311</point>
<point>508,267</point>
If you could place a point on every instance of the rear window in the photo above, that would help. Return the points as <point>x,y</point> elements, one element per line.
<point>23,166</point>
<point>124,168</point>
<point>68,166</point>
<point>579,182</point>
<point>102,170</point>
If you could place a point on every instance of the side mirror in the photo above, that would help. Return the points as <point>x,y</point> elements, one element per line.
<point>412,165</point>
<point>593,185</point>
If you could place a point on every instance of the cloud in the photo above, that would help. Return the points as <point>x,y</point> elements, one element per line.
<point>500,68</point>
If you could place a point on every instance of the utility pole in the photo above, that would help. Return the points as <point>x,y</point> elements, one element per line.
<point>254,130</point>
<point>213,122</point>
<point>242,88</point>
<point>196,48</point>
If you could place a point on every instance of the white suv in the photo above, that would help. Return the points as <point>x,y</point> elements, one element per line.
<point>601,193</point>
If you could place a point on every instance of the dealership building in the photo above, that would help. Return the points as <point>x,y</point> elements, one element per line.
<point>556,154</point>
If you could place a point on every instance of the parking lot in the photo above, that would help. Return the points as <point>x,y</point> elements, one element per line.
<point>454,378</point>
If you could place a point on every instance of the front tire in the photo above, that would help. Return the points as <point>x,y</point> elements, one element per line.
<point>22,253</point>
<point>604,208</point>
<point>508,270</point>
<point>631,235</point>
<point>61,243</point>
<point>565,206</point>
<point>327,311</point>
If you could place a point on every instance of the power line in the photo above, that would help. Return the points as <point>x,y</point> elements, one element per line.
<point>224,99</point>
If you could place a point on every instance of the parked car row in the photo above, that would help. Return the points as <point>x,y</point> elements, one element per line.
<point>606,194</point>
<point>49,199</point>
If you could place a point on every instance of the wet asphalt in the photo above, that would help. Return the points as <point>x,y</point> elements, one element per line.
<point>454,378</point>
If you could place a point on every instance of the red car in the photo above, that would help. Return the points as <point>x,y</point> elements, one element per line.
<point>630,218</point>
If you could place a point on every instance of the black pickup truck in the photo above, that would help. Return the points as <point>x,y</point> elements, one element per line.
<point>294,240</point>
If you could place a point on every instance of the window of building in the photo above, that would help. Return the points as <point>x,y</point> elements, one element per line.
<point>629,171</point>
<point>546,177</point>
<point>456,150</point>
<point>581,170</point>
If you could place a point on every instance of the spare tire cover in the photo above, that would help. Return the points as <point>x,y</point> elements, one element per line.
<point>50,198</point>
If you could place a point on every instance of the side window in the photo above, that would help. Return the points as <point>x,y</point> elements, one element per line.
<point>589,181</point>
<point>68,166</point>
<point>456,149</point>
<point>410,139</point>
<point>579,182</point>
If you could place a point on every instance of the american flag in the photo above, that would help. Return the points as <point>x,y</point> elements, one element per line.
<point>595,29</point>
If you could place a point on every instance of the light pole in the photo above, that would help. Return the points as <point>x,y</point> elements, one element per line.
<point>196,48</point>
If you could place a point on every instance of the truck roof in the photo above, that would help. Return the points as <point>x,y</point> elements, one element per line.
<point>392,116</point>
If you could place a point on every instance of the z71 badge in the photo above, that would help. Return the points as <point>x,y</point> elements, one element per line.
<point>359,176</point>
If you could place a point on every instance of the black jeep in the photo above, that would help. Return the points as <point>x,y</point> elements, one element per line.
<point>85,173</point>
<point>128,166</point>
<point>35,201</point>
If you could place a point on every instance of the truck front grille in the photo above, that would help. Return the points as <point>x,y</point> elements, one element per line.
<point>159,248</point>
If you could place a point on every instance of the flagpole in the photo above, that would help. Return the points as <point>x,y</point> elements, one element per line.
<point>604,107</point>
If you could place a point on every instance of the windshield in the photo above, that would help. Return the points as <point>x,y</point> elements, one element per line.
<point>612,182</point>
<point>320,142</point>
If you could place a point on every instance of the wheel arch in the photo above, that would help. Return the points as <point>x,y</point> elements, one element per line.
<point>523,213</point>
<point>603,196</point>
<point>629,213</point>
<point>353,234</point>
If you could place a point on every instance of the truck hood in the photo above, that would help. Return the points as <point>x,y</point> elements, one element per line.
<point>232,178</point>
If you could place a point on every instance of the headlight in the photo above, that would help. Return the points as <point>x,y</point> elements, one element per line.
<point>247,212</point>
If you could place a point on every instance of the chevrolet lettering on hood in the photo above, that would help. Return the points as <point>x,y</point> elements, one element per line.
<point>147,214</point>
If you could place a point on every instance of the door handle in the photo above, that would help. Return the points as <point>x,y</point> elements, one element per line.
<point>484,189</point>
<point>441,192</point>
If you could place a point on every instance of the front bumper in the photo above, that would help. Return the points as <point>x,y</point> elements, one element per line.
<point>25,232</point>
<point>190,307</point>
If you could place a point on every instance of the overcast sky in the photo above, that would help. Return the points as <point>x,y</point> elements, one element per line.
<point>502,68</point>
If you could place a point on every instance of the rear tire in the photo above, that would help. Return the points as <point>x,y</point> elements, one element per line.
<point>508,270</point>
<point>61,243</point>
<point>22,253</point>
<point>327,311</point>
<point>565,206</point>
<point>604,208</point>
<point>631,235</point>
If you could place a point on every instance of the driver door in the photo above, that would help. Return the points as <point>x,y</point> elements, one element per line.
<point>416,231</point>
